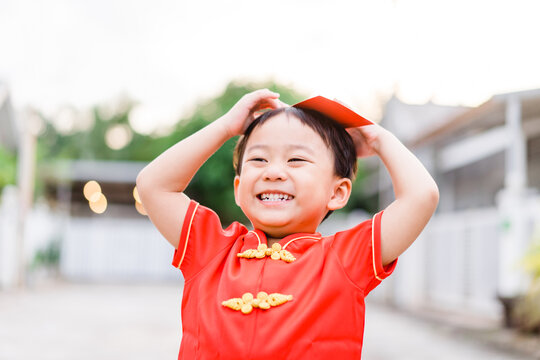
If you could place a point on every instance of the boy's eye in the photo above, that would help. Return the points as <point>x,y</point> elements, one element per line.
<point>296,159</point>
<point>257,159</point>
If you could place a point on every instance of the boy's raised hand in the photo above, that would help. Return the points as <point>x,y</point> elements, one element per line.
<point>367,139</point>
<point>245,110</point>
<point>161,183</point>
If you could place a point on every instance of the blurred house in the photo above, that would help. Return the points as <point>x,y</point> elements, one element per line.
<point>111,241</point>
<point>486,161</point>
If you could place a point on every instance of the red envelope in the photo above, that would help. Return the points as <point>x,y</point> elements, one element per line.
<point>334,110</point>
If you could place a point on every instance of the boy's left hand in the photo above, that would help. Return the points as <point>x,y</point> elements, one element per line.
<point>367,139</point>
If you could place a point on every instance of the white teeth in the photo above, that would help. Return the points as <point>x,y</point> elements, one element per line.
<point>275,197</point>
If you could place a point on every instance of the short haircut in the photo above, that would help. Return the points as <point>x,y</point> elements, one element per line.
<point>332,133</point>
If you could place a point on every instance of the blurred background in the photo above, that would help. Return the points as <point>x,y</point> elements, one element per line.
<point>90,92</point>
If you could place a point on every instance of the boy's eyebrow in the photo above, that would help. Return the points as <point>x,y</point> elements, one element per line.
<point>291,146</point>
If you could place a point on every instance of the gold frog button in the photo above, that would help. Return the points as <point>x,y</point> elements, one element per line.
<point>263,301</point>
<point>262,251</point>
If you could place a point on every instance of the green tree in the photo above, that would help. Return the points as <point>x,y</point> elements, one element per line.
<point>89,144</point>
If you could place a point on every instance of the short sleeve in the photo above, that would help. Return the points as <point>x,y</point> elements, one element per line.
<point>359,250</point>
<point>201,238</point>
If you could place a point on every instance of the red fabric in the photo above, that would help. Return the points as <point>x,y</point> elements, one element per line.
<point>329,280</point>
<point>334,110</point>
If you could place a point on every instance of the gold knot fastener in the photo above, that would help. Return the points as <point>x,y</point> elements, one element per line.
<point>263,301</point>
<point>275,252</point>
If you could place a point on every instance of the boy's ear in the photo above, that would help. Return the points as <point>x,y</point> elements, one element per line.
<point>236,183</point>
<point>341,193</point>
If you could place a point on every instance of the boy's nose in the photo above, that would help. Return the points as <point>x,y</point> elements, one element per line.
<point>274,172</point>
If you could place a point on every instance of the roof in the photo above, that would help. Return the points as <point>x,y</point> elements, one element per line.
<point>99,170</point>
<point>487,115</point>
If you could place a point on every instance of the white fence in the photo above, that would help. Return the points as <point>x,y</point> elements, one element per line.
<point>41,227</point>
<point>95,248</point>
<point>8,234</point>
<point>454,263</point>
<point>108,249</point>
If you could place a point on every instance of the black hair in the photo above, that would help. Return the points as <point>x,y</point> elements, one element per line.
<point>333,134</point>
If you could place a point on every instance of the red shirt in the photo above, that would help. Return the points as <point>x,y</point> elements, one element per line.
<point>328,281</point>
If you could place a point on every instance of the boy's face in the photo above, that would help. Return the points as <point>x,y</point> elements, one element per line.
<point>287,183</point>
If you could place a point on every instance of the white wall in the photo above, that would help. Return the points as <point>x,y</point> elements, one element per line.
<point>109,249</point>
<point>41,227</point>
<point>8,235</point>
<point>98,248</point>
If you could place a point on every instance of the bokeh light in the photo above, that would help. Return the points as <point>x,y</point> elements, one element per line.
<point>100,205</point>
<point>91,191</point>
<point>118,136</point>
<point>136,195</point>
<point>138,204</point>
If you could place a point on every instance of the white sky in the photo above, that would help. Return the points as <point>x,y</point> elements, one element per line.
<point>169,53</point>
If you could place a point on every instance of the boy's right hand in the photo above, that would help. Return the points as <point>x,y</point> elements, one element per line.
<point>161,183</point>
<point>236,120</point>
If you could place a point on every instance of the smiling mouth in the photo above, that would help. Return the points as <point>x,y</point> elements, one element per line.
<point>274,197</point>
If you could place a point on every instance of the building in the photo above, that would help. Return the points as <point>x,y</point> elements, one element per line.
<point>110,242</point>
<point>486,161</point>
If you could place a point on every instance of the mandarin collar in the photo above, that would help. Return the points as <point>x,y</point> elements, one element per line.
<point>256,237</point>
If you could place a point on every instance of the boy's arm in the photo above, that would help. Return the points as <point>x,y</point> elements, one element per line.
<point>416,194</point>
<point>162,182</point>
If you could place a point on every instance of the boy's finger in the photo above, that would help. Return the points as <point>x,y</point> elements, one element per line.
<point>261,99</point>
<point>273,93</point>
<point>269,104</point>
<point>276,104</point>
<point>265,93</point>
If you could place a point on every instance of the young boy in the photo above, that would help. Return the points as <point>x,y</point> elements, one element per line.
<point>282,290</point>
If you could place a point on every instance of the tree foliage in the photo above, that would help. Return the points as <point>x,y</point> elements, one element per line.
<point>527,310</point>
<point>7,168</point>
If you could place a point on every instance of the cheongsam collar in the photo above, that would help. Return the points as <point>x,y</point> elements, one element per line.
<point>256,237</point>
